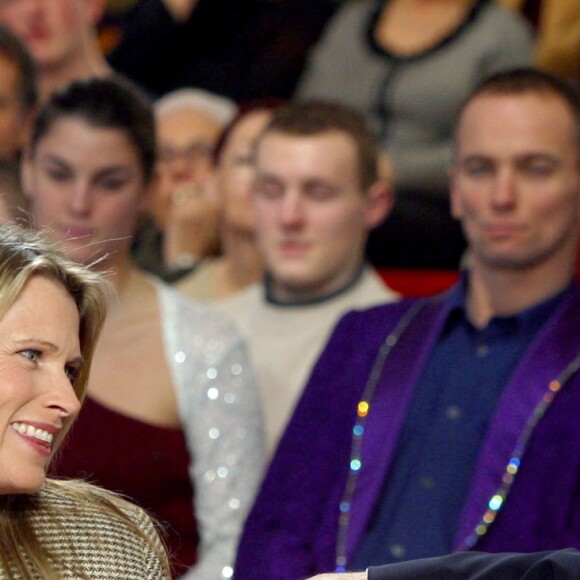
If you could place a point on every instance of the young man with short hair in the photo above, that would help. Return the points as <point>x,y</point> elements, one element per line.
<point>316,196</point>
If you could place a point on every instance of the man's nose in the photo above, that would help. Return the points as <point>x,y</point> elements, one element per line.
<point>504,191</point>
<point>292,209</point>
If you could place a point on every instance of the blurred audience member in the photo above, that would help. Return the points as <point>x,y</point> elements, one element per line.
<point>240,263</point>
<point>18,95</point>
<point>406,65</point>
<point>316,196</point>
<point>18,98</point>
<point>184,225</point>
<point>61,36</point>
<point>557,24</point>
<point>171,418</point>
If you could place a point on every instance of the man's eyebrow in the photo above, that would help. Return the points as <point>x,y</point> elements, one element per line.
<point>318,181</point>
<point>267,175</point>
<point>532,156</point>
<point>473,157</point>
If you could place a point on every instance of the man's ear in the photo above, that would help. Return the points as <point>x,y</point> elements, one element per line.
<point>380,200</point>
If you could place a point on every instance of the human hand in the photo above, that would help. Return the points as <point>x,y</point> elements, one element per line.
<point>192,225</point>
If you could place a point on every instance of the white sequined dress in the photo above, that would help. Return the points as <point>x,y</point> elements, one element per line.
<point>220,412</point>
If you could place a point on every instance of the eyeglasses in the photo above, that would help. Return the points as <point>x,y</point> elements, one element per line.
<point>193,153</point>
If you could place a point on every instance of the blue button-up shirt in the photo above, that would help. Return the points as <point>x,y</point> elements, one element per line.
<point>425,491</point>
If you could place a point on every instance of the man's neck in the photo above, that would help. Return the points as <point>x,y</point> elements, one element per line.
<point>90,63</point>
<point>296,297</point>
<point>495,292</point>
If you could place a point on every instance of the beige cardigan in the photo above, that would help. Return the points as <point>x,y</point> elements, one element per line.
<point>558,41</point>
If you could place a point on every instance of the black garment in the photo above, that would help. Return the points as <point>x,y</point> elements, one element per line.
<point>556,565</point>
<point>418,233</point>
<point>243,49</point>
<point>147,254</point>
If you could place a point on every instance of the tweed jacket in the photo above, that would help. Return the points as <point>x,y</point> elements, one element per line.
<point>91,543</point>
<point>293,528</point>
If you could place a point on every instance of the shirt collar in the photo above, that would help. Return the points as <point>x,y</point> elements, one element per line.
<point>528,319</point>
<point>269,297</point>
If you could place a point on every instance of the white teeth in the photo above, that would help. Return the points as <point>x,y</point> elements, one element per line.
<point>31,431</point>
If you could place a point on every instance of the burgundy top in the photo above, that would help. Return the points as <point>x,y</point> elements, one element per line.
<point>145,462</point>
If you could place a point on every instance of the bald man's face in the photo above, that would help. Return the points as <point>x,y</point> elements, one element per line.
<point>516,181</point>
<point>14,118</point>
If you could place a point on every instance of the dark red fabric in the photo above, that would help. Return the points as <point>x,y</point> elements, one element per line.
<point>145,462</point>
<point>413,283</point>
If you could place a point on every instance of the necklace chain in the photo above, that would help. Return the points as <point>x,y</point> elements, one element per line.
<point>498,499</point>
<point>363,408</point>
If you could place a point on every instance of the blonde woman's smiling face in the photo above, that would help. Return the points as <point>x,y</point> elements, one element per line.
<point>39,359</point>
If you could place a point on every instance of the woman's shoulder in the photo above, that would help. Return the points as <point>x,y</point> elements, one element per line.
<point>76,496</point>
<point>98,533</point>
<point>187,321</point>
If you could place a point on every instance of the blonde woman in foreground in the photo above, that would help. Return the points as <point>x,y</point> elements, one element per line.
<point>51,313</point>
